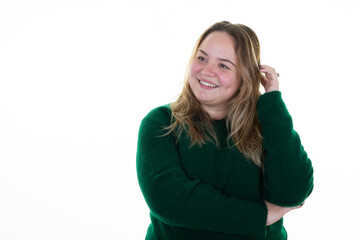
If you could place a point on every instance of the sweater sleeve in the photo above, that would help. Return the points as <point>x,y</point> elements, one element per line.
<point>288,172</point>
<point>179,201</point>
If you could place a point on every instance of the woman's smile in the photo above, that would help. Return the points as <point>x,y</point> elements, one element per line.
<point>207,85</point>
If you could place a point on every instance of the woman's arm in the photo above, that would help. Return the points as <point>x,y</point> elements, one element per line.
<point>288,172</point>
<point>179,201</point>
<point>276,212</point>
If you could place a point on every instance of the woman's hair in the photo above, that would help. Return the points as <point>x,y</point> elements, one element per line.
<point>241,120</point>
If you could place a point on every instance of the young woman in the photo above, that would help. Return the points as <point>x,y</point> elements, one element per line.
<point>223,161</point>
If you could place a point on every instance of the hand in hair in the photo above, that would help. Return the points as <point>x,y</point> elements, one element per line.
<point>275,212</point>
<point>270,80</point>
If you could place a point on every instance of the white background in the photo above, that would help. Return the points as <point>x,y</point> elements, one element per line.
<point>77,77</point>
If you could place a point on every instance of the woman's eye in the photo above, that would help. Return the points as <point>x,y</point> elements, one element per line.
<point>202,59</point>
<point>223,66</point>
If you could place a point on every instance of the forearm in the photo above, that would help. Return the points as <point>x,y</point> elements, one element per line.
<point>179,201</point>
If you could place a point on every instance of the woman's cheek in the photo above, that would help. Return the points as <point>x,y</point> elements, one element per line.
<point>195,68</point>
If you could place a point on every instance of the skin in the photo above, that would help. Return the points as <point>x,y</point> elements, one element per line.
<point>270,79</point>
<point>275,212</point>
<point>215,64</point>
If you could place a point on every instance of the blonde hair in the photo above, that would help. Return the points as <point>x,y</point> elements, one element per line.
<point>241,120</point>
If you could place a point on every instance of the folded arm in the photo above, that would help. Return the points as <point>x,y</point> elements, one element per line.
<point>179,201</point>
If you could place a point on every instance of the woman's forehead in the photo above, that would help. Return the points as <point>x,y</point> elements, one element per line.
<point>220,45</point>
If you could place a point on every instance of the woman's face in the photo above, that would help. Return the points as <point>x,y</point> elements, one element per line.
<point>213,75</point>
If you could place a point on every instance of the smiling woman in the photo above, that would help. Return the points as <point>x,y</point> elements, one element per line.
<point>223,161</point>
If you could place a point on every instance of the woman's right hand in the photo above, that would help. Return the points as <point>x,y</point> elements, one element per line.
<point>276,212</point>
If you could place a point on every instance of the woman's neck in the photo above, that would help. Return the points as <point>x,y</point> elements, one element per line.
<point>215,113</point>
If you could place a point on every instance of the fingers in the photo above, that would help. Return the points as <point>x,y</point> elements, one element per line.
<point>269,71</point>
<point>270,80</point>
<point>297,207</point>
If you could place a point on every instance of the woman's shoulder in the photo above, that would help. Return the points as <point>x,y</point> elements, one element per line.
<point>160,115</point>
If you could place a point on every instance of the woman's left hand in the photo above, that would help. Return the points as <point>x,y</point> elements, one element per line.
<point>270,80</point>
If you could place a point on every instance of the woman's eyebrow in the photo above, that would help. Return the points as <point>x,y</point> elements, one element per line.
<point>221,59</point>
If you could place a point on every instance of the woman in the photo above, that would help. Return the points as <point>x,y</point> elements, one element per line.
<point>223,161</point>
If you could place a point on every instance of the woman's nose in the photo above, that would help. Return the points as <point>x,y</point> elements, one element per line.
<point>208,70</point>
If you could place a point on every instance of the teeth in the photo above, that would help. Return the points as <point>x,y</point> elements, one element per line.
<point>208,84</point>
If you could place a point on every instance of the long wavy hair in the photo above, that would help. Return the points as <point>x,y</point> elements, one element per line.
<point>244,129</point>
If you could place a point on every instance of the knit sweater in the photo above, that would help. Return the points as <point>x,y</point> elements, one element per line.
<point>214,192</point>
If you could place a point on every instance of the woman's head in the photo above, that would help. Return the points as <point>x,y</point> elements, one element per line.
<point>222,81</point>
<point>213,75</point>
<point>229,51</point>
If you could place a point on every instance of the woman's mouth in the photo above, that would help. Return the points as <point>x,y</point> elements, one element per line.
<point>208,84</point>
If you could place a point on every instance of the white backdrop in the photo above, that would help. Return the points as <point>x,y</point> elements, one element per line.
<point>77,77</point>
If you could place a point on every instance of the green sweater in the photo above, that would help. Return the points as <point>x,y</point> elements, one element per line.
<point>215,193</point>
